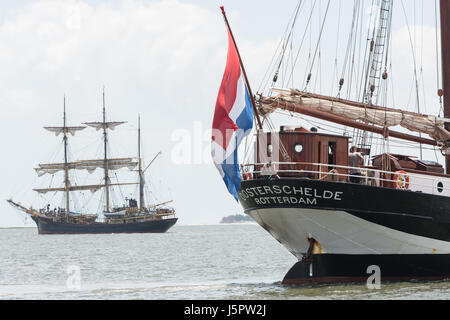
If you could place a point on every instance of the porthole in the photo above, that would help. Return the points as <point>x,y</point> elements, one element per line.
<point>269,150</point>
<point>298,148</point>
<point>440,187</point>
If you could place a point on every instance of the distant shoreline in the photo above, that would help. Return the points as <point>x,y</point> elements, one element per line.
<point>238,218</point>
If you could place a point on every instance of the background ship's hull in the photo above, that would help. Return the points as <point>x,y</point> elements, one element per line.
<point>349,220</point>
<point>47,226</point>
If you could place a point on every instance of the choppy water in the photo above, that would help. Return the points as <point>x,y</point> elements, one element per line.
<point>188,262</point>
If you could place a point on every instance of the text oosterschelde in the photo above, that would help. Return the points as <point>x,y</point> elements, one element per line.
<point>279,194</point>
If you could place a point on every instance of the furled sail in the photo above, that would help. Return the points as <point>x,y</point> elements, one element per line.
<point>373,115</point>
<point>59,130</point>
<point>99,125</point>
<point>92,188</point>
<point>89,165</point>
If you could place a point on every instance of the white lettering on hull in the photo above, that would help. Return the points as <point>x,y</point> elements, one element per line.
<point>288,195</point>
<point>285,200</point>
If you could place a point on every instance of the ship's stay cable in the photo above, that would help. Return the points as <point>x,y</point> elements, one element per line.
<point>272,70</point>
<point>317,50</point>
<point>118,182</point>
<point>371,32</point>
<point>438,65</point>
<point>151,197</point>
<point>358,49</point>
<point>375,85</point>
<point>355,61</point>
<point>349,44</point>
<point>350,53</point>
<point>308,28</point>
<point>287,43</point>
<point>86,202</point>
<point>363,60</point>
<point>101,207</point>
<point>334,79</point>
<point>422,78</point>
<point>416,80</point>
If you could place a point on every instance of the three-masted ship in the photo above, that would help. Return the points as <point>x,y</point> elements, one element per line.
<point>342,219</point>
<point>134,216</point>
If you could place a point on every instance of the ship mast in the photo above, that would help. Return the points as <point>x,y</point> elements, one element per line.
<point>66,167</point>
<point>108,164</point>
<point>445,43</point>
<point>89,165</point>
<point>141,173</point>
<point>105,137</point>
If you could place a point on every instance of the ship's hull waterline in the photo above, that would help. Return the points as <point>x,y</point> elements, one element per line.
<point>47,226</point>
<point>353,223</point>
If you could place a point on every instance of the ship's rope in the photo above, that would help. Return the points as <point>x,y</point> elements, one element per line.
<point>413,50</point>
<point>438,65</point>
<point>287,42</point>
<point>317,50</point>
<point>272,70</point>
<point>352,58</point>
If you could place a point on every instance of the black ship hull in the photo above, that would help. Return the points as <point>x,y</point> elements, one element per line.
<point>406,234</point>
<point>48,226</point>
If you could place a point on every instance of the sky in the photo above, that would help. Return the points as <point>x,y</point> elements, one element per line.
<point>161,59</point>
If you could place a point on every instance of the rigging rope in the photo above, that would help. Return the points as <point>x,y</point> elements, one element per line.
<point>273,70</point>
<point>438,69</point>
<point>318,42</point>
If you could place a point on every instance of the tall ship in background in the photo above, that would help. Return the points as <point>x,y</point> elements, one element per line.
<point>133,216</point>
<point>326,183</point>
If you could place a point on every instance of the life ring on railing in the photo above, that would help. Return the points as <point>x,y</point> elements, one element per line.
<point>248,176</point>
<point>401,180</point>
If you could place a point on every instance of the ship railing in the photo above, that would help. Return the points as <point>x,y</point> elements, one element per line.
<point>369,176</point>
<point>166,216</point>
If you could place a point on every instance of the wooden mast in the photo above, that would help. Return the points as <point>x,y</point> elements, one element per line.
<point>445,43</point>
<point>66,166</point>
<point>141,174</point>
<point>105,135</point>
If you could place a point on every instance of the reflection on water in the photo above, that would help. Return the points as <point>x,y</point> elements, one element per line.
<point>188,262</point>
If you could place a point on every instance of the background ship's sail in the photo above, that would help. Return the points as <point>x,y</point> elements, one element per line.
<point>123,214</point>
<point>72,178</point>
<point>89,165</point>
<point>100,125</point>
<point>92,188</point>
<point>60,130</point>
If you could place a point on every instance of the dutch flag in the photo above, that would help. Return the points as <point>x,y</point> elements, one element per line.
<point>233,120</point>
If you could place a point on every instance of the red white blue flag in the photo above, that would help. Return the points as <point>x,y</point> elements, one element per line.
<point>233,120</point>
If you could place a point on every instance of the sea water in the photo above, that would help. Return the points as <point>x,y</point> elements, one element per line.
<point>220,262</point>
